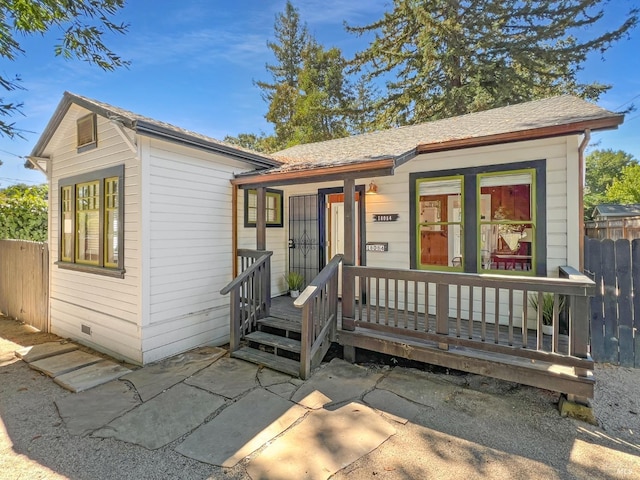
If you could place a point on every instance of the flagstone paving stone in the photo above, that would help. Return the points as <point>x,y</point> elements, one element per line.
<point>91,376</point>
<point>64,363</point>
<point>164,418</point>
<point>419,387</point>
<point>228,377</point>
<point>243,427</point>
<point>268,377</point>
<point>44,350</point>
<point>154,379</point>
<point>324,442</point>
<point>392,406</point>
<point>87,411</point>
<point>285,390</point>
<point>335,383</point>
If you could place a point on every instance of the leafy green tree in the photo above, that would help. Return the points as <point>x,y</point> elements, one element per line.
<point>83,25</point>
<point>602,168</point>
<point>258,143</point>
<point>626,188</point>
<point>442,58</point>
<point>23,212</point>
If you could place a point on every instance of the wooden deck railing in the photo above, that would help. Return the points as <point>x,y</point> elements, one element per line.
<point>250,294</point>
<point>319,304</point>
<point>484,312</point>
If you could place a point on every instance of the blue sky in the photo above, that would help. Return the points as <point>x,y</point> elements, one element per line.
<point>193,64</point>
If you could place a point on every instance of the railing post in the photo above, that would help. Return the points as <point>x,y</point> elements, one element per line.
<point>442,312</point>
<point>579,326</point>
<point>305,347</point>
<point>234,315</point>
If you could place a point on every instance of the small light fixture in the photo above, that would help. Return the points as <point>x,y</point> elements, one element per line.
<point>373,188</point>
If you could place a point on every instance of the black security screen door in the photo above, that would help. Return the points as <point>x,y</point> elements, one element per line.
<point>303,236</point>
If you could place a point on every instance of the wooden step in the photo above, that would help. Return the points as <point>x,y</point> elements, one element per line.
<point>281,324</point>
<point>269,360</point>
<point>276,341</point>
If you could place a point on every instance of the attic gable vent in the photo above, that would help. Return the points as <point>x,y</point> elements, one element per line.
<point>87,132</point>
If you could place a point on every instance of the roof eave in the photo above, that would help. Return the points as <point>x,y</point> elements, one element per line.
<point>607,123</point>
<point>378,168</point>
<point>149,129</point>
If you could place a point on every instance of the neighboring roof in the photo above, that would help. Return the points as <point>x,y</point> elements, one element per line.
<point>149,127</point>
<point>613,210</point>
<point>551,117</point>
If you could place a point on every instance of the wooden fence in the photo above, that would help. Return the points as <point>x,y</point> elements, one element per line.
<point>615,309</point>
<point>24,282</point>
<point>615,229</point>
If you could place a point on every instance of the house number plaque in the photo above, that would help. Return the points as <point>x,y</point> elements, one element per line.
<point>377,246</point>
<point>385,217</point>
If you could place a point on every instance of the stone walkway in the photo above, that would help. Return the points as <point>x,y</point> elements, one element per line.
<point>346,421</point>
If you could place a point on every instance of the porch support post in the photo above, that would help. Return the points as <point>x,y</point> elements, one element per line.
<point>349,258</point>
<point>261,218</point>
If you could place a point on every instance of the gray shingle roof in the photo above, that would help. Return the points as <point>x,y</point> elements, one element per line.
<point>148,126</point>
<point>398,142</point>
<point>609,210</point>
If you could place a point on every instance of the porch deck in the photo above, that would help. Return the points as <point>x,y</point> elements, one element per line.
<point>548,373</point>
<point>472,322</point>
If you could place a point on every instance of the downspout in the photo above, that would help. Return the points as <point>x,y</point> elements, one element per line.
<point>581,167</point>
<point>234,229</point>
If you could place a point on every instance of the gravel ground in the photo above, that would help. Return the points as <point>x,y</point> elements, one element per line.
<point>34,443</point>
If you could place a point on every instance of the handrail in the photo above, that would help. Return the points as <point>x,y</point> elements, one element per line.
<point>244,275</point>
<point>250,296</point>
<point>319,304</point>
<point>565,286</point>
<point>318,282</point>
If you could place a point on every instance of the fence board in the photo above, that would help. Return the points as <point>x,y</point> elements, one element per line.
<point>24,282</point>
<point>615,308</point>
<point>593,266</point>
<point>625,315</point>
<point>635,278</point>
<point>608,261</point>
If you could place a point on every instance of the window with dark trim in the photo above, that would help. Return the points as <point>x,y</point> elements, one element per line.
<point>482,219</point>
<point>87,132</point>
<point>91,229</point>
<point>273,206</point>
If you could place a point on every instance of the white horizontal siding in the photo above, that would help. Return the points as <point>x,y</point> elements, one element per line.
<point>109,306</point>
<point>189,248</point>
<point>393,197</point>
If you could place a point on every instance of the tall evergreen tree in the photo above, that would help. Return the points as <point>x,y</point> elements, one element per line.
<point>309,96</point>
<point>449,57</point>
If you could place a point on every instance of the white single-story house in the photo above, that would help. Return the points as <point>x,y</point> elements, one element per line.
<point>147,220</point>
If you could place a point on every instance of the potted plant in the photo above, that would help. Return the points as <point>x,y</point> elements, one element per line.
<point>547,310</point>
<point>295,281</point>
